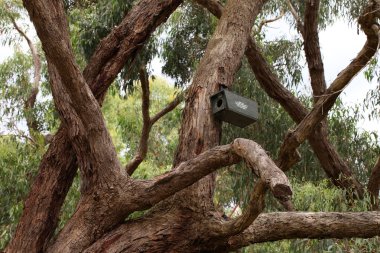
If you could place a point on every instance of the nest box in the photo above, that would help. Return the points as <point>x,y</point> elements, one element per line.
<point>232,108</point>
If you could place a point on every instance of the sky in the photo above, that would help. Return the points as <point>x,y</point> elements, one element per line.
<point>339,45</point>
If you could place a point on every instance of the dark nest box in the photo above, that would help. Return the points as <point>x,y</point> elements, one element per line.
<point>232,108</point>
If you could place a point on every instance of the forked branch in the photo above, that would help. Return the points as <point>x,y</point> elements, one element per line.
<point>148,121</point>
<point>194,169</point>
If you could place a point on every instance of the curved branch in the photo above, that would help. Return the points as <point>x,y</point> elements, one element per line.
<point>238,225</point>
<point>268,21</point>
<point>147,125</point>
<point>189,172</point>
<point>148,122</point>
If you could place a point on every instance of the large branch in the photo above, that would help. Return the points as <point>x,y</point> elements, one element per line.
<point>292,225</point>
<point>125,41</point>
<point>58,166</point>
<point>267,227</point>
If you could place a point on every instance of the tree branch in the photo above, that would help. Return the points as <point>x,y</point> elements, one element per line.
<point>298,20</point>
<point>194,169</point>
<point>312,49</point>
<point>267,227</point>
<point>30,101</point>
<point>232,227</point>
<point>291,225</point>
<point>148,122</point>
<point>268,21</point>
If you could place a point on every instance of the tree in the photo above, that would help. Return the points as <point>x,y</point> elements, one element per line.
<point>182,216</point>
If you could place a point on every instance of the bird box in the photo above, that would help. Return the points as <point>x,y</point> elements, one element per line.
<point>234,109</point>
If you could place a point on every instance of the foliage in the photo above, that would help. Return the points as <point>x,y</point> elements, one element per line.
<point>19,163</point>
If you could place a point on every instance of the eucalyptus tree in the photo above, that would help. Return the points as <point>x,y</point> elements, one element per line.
<point>182,216</point>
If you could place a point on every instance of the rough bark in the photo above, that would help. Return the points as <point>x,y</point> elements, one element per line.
<point>289,225</point>
<point>267,227</point>
<point>58,166</point>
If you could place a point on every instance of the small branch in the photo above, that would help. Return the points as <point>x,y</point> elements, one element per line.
<point>238,225</point>
<point>32,96</point>
<point>148,122</point>
<point>300,26</point>
<point>374,185</point>
<point>268,21</point>
<point>169,107</point>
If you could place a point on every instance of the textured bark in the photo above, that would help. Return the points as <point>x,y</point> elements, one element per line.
<point>312,49</point>
<point>58,166</point>
<point>267,227</point>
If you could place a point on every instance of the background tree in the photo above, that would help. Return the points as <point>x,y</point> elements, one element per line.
<point>105,42</point>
